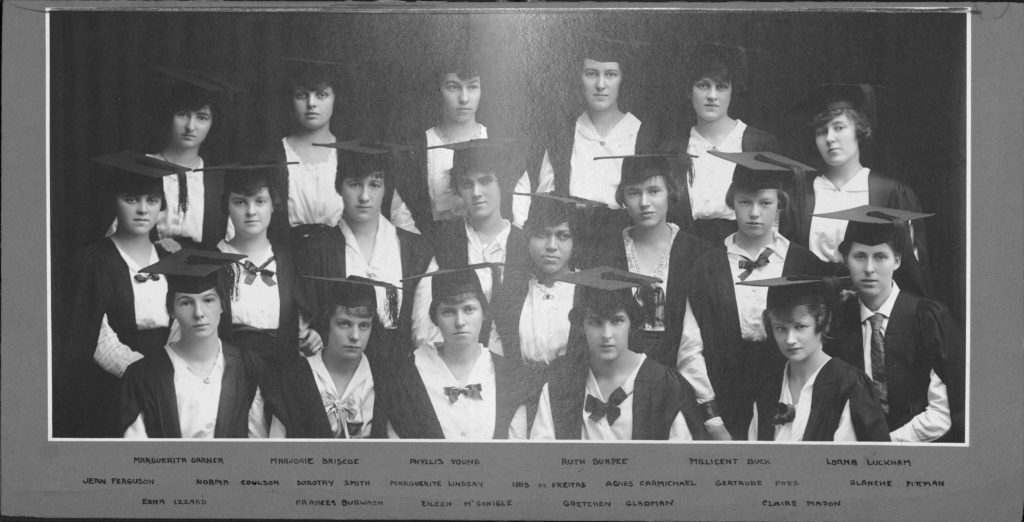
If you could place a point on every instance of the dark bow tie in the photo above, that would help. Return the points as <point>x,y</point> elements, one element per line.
<point>748,266</point>
<point>598,409</point>
<point>784,414</point>
<point>142,278</point>
<point>471,390</point>
<point>251,270</point>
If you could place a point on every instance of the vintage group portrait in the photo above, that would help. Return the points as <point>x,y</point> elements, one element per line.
<point>667,243</point>
<point>527,225</point>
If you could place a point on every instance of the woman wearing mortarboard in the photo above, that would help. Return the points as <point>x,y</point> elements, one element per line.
<point>118,314</point>
<point>602,390</point>
<point>842,123</point>
<point>818,398</point>
<point>198,386</point>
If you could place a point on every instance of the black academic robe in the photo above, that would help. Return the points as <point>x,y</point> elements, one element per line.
<point>659,394</point>
<point>678,141</point>
<point>294,399</point>
<point>559,149</point>
<point>507,310</point>
<point>685,250</point>
<point>452,250</point>
<point>883,191</point>
<point>322,253</point>
<point>283,344</point>
<point>411,181</point>
<point>85,394</point>
<point>736,367</point>
<point>836,383</point>
<point>148,388</point>
<point>921,336</point>
<point>412,415</point>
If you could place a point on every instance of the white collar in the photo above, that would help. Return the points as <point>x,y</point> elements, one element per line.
<point>858,183</point>
<point>779,246</point>
<point>500,240</point>
<point>627,126</point>
<point>627,386</point>
<point>885,309</point>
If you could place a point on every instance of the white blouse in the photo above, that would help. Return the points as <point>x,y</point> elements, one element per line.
<point>150,312</point>
<point>794,431</point>
<point>312,197</point>
<point>751,300</point>
<point>384,265</point>
<point>353,406</point>
<point>466,418</point>
<point>712,175</point>
<point>590,178</point>
<point>661,272</point>
<point>198,399</point>
<point>255,304</point>
<point>621,429</point>
<point>544,321</point>
<point>826,234</point>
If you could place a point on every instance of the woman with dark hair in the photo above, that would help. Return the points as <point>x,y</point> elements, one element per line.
<point>456,388</point>
<point>182,123</point>
<point>333,393</point>
<point>738,353</point>
<point>199,386</point>
<point>314,94</point>
<point>652,246</point>
<point>263,315</point>
<point>118,316</point>
<point>819,398</point>
<point>842,127</point>
<point>365,244</point>
<point>716,73</point>
<point>605,391</point>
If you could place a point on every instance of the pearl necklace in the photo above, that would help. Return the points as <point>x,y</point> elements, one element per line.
<point>448,139</point>
<point>189,167</point>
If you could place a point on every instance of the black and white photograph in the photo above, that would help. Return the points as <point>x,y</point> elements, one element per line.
<point>680,262</point>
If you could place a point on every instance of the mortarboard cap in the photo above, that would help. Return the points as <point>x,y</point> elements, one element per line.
<point>566,199</point>
<point>637,167</point>
<point>351,291</point>
<point>795,290</point>
<point>450,282</point>
<point>202,80</point>
<point>480,155</point>
<point>604,290</point>
<point>359,158</point>
<point>311,72</point>
<point>763,170</point>
<point>872,225</point>
<point>136,173</point>
<point>828,97</point>
<point>192,271</point>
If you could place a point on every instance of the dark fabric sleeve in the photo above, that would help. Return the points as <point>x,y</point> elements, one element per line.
<point>943,342</point>
<point>132,396</point>
<point>865,409</point>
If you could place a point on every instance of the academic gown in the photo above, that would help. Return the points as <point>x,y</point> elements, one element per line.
<point>921,336</point>
<point>148,388</point>
<point>86,395</point>
<point>659,394</point>
<point>452,250</point>
<point>678,141</point>
<point>323,254</point>
<point>685,250</point>
<point>734,370</point>
<point>412,184</point>
<point>295,400</point>
<point>507,309</point>
<point>836,383</point>
<point>411,413</point>
<point>284,344</point>
<point>599,224</point>
<point>883,191</point>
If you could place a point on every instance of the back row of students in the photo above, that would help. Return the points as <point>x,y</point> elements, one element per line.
<point>685,318</point>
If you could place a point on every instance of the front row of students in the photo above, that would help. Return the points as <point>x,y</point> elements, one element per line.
<point>669,342</point>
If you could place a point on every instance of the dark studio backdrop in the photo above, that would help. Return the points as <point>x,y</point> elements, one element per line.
<point>103,89</point>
